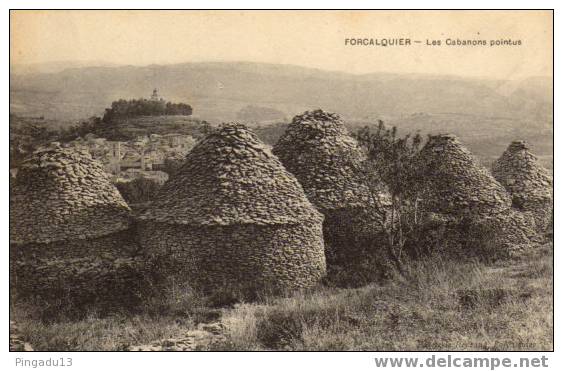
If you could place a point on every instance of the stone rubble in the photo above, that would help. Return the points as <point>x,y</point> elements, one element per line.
<point>529,184</point>
<point>201,339</point>
<point>232,215</point>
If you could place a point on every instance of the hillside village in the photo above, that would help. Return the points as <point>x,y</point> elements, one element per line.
<point>141,156</point>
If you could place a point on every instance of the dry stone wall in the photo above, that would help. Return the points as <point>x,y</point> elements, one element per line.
<point>231,178</point>
<point>64,194</point>
<point>514,232</point>
<point>455,184</point>
<point>70,230</point>
<point>529,184</point>
<point>96,270</point>
<point>467,197</point>
<point>351,234</point>
<point>327,161</point>
<point>247,257</point>
<point>233,217</point>
<point>232,214</point>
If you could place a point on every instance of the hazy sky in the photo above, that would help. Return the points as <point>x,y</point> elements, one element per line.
<point>306,38</point>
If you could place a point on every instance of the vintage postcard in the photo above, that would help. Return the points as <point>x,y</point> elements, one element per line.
<point>291,180</point>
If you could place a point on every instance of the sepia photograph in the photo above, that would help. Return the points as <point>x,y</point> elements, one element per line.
<point>281,180</point>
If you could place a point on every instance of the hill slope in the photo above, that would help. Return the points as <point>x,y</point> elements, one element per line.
<point>218,91</point>
<point>486,114</point>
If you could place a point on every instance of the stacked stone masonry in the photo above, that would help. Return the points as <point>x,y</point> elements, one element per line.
<point>457,188</point>
<point>327,161</point>
<point>529,184</point>
<point>257,256</point>
<point>102,270</point>
<point>63,194</point>
<point>233,215</point>
<point>455,184</point>
<point>69,228</point>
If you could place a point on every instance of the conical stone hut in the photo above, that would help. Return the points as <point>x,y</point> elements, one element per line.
<point>69,227</point>
<point>327,161</point>
<point>529,184</point>
<point>233,216</point>
<point>455,184</point>
<point>457,189</point>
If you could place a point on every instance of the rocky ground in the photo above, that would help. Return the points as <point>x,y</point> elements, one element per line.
<point>204,337</point>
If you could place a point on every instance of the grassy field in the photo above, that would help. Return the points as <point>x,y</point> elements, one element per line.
<point>438,304</point>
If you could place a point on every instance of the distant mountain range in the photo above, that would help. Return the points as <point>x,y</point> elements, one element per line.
<point>54,67</point>
<point>218,91</point>
<point>471,108</point>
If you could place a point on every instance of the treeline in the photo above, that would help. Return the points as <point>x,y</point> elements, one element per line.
<point>143,107</point>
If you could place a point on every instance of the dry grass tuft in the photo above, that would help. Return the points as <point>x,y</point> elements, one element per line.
<point>437,304</point>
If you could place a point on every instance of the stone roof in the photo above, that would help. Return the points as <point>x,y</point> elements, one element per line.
<point>521,174</point>
<point>326,160</point>
<point>64,194</point>
<point>229,178</point>
<point>455,183</point>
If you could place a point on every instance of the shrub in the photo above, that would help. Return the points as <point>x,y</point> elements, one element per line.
<point>392,160</point>
<point>285,325</point>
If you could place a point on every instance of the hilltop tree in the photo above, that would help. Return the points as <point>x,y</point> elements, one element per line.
<point>144,107</point>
